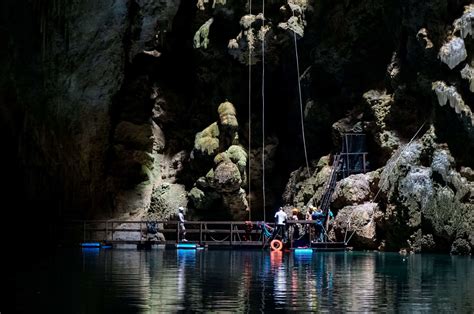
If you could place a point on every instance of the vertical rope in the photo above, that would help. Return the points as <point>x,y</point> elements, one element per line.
<point>301,103</point>
<point>263,111</point>
<point>250,120</point>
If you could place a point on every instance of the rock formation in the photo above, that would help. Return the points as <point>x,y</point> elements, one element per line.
<point>226,180</point>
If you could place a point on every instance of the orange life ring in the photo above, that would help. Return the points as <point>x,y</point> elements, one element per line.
<point>276,245</point>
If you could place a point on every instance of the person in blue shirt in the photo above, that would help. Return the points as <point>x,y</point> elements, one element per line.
<point>318,217</point>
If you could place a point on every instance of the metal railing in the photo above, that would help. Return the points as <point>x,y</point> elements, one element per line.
<point>165,232</point>
<point>225,233</point>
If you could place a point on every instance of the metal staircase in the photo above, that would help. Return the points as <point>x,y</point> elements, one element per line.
<point>331,185</point>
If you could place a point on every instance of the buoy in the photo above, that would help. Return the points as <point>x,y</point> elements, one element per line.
<point>276,245</point>
<point>91,244</point>
<point>303,251</point>
<point>186,246</point>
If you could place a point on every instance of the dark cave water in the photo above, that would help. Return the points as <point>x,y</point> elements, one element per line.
<point>89,281</point>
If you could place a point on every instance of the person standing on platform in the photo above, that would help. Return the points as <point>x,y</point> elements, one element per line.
<point>309,213</point>
<point>182,228</point>
<point>318,217</point>
<point>295,229</point>
<point>280,220</point>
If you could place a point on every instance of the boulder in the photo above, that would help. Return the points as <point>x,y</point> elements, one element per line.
<point>358,221</point>
<point>460,247</point>
<point>352,190</point>
<point>226,177</point>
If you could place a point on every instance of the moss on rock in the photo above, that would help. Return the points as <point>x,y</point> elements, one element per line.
<point>207,141</point>
<point>238,156</point>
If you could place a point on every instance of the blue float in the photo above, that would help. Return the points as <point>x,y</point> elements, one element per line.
<point>90,244</point>
<point>303,251</point>
<point>186,246</point>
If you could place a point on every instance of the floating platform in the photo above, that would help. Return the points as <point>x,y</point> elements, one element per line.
<point>212,245</point>
<point>215,235</point>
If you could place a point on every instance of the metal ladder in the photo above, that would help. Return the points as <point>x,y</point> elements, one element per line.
<point>330,187</point>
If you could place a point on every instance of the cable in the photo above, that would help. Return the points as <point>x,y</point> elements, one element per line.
<point>250,121</point>
<point>400,155</point>
<point>263,110</point>
<point>301,103</point>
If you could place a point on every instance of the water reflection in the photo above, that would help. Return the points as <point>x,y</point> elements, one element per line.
<point>164,281</point>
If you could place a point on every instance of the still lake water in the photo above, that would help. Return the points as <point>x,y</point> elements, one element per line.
<point>118,281</point>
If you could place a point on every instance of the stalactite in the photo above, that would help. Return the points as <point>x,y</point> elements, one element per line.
<point>200,3</point>
<point>449,94</point>
<point>468,73</point>
<point>201,37</point>
<point>296,23</point>
<point>453,52</point>
<point>465,23</point>
<point>248,39</point>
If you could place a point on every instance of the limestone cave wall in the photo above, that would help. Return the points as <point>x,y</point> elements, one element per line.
<point>103,107</point>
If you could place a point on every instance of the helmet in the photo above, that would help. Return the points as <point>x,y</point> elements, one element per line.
<point>181,208</point>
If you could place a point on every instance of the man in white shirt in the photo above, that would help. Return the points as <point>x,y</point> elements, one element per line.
<point>280,220</point>
<point>182,229</point>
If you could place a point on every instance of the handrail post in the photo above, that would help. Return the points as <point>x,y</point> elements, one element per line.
<point>141,231</point>
<point>290,235</point>
<point>177,232</point>
<point>363,162</point>
<point>106,231</point>
<point>84,230</point>
<point>113,228</point>
<point>231,233</point>
<point>200,233</point>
